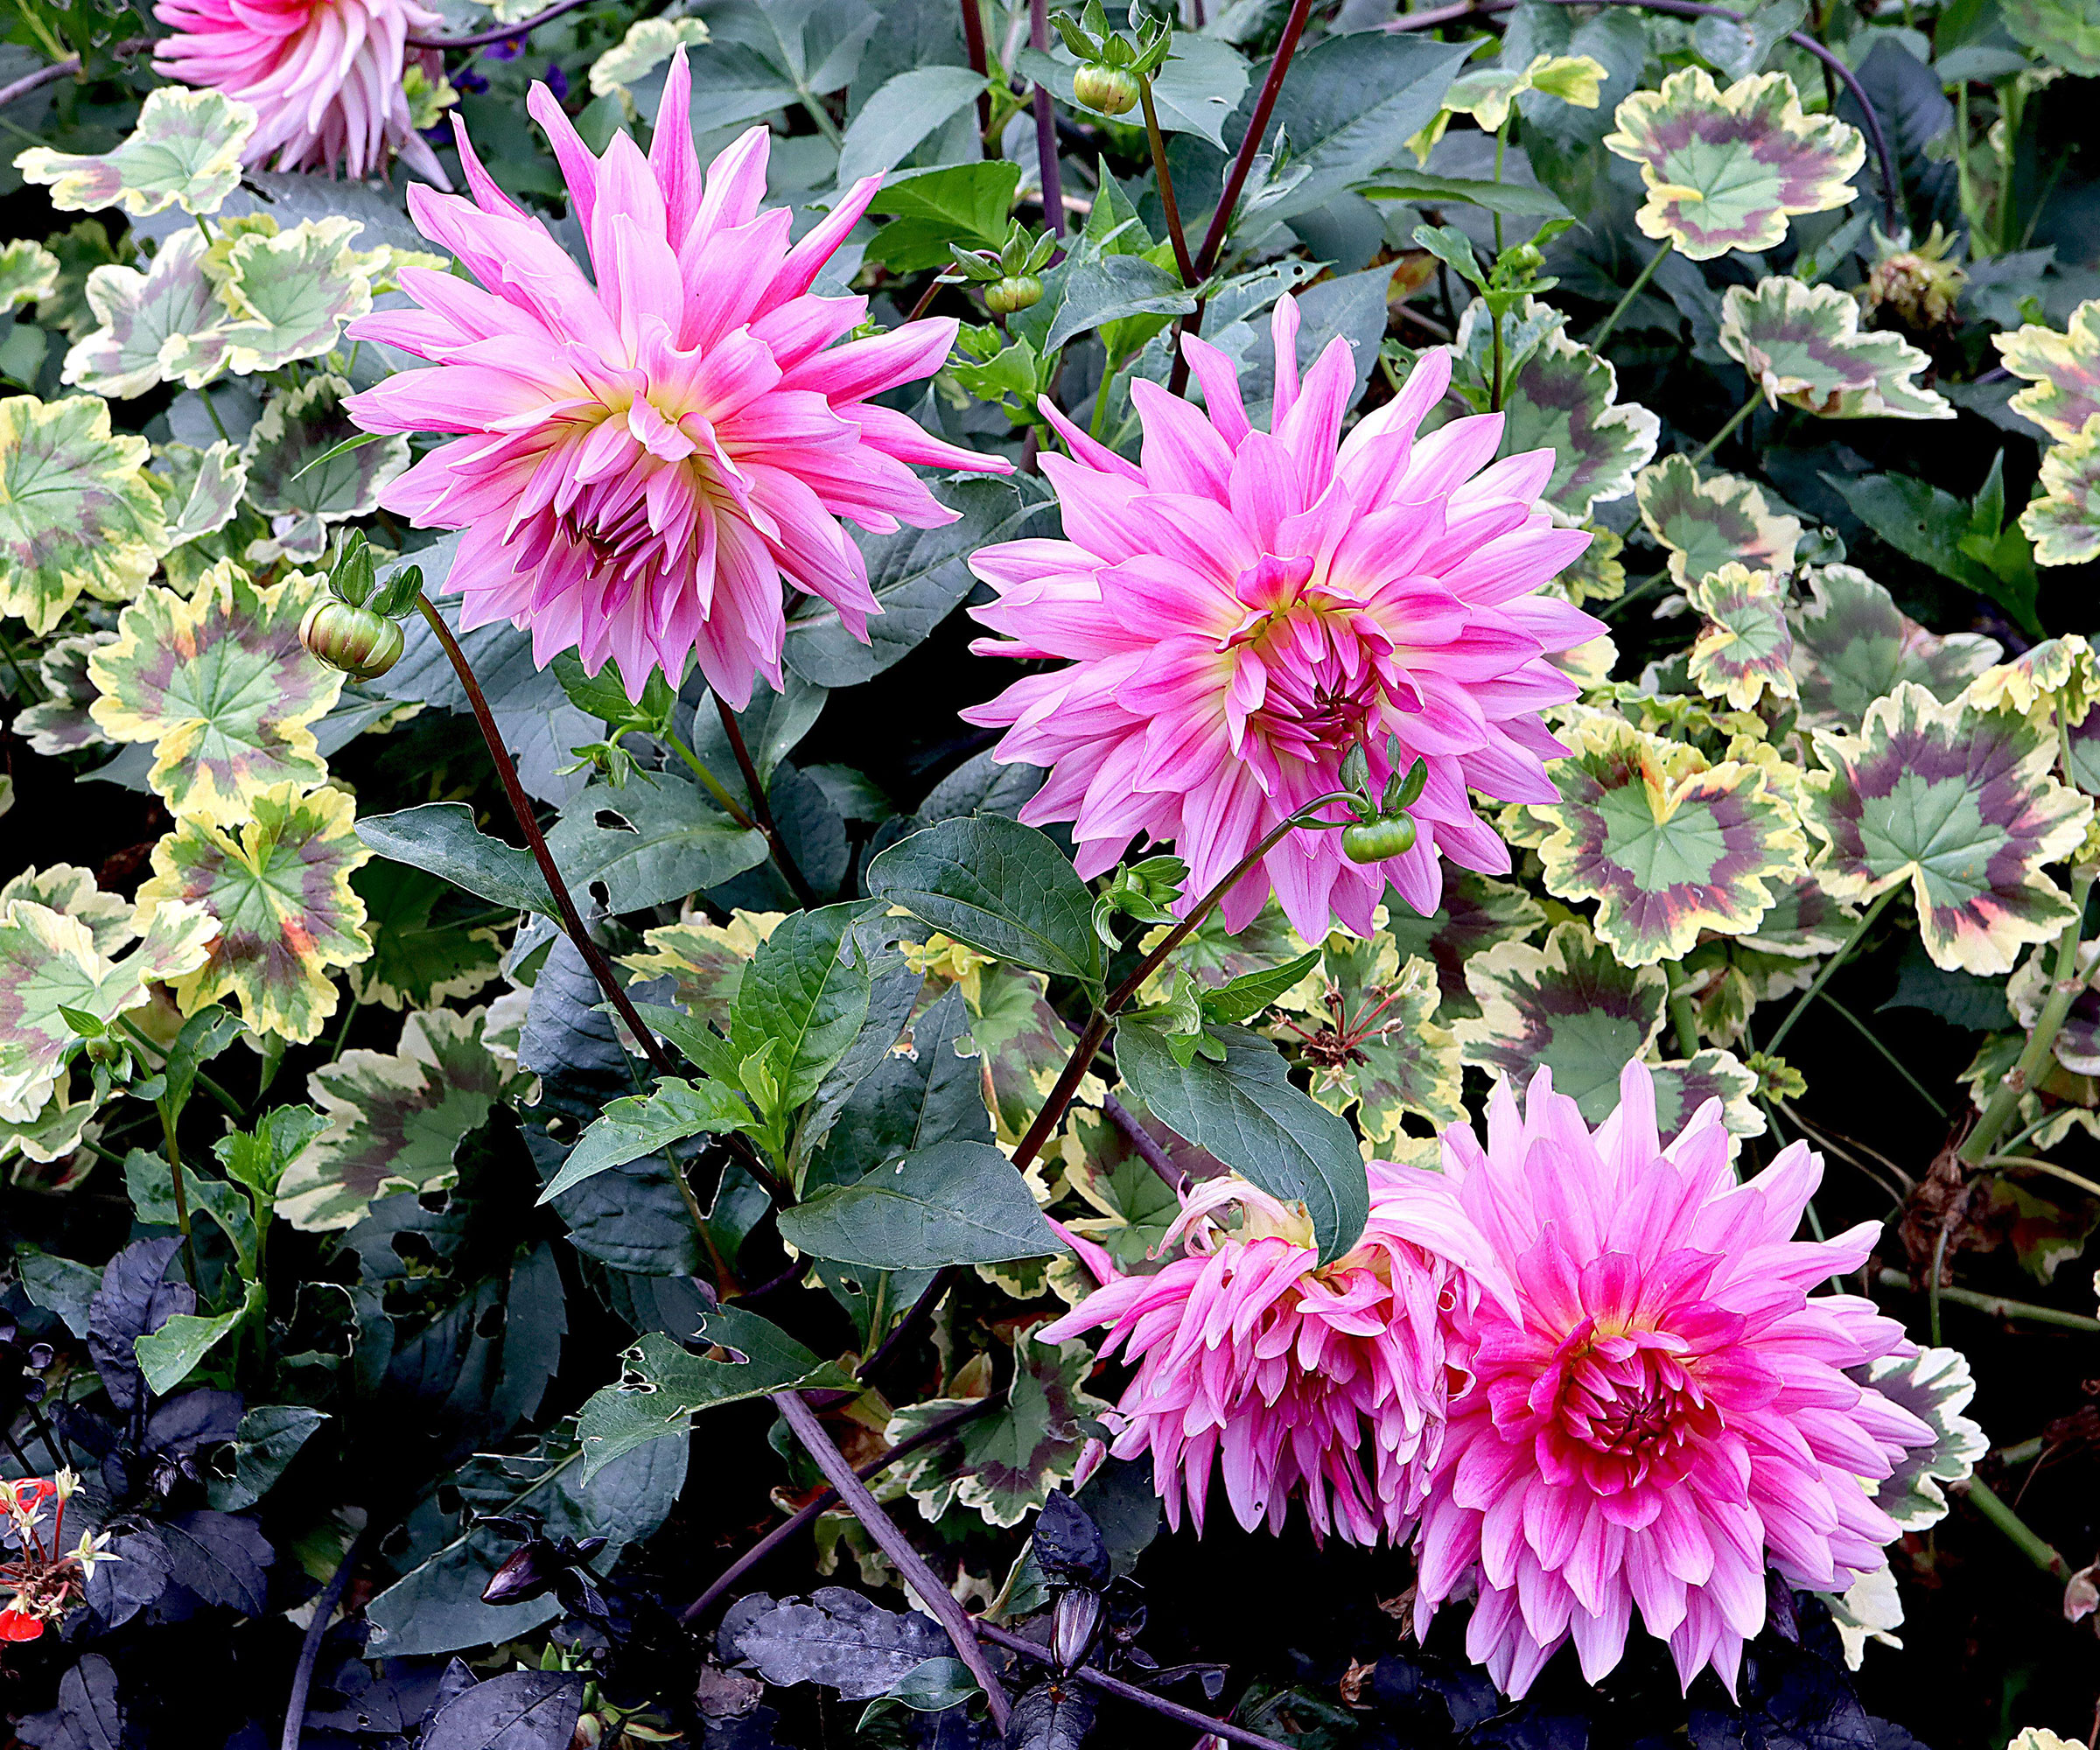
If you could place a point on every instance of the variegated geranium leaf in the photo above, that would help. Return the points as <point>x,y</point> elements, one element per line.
<point>1598,574</point>
<point>71,890</point>
<point>1935,1386</point>
<point>1023,1044</point>
<point>1803,344</point>
<point>49,962</point>
<point>55,1133</point>
<point>2077,1045</point>
<point>647,45</point>
<point>76,510</point>
<point>60,723</point>
<point>1476,914</point>
<point>1703,524</point>
<point>2062,370</point>
<point>1959,804</point>
<point>1213,955</point>
<point>1746,647</point>
<point>301,500</point>
<point>1561,397</point>
<point>704,961</point>
<point>165,325</point>
<point>394,1119</point>
<point>2032,680</point>
<point>2063,32</point>
<point>2064,523</point>
<point>1725,170</point>
<point>1665,844</point>
<point>1683,1086</point>
<point>1133,1205</point>
<point>1804,922</point>
<point>1571,1006</point>
<point>204,489</point>
<point>1004,1463</point>
<point>29,272</point>
<point>290,294</point>
<point>280,891</point>
<point>1854,645</point>
<point>185,151</point>
<point>222,688</point>
<point>1366,1035</point>
<point>430,941</point>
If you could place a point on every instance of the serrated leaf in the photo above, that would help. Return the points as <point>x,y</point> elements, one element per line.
<point>61,724</point>
<point>185,151</point>
<point>280,891</point>
<point>290,294</point>
<point>49,961</point>
<point>956,1202</point>
<point>290,482</point>
<point>2064,370</point>
<point>704,961</point>
<point>1935,1386</point>
<point>394,1119</point>
<point>1513,200</point>
<point>430,943</point>
<point>222,688</point>
<point>1704,523</point>
<point>1746,647</point>
<point>2064,522</point>
<point>165,325</point>
<point>1725,170</point>
<point>966,204</point>
<point>1133,1205</point>
<point>29,273</point>
<point>803,998</point>
<point>1488,93</point>
<point>1368,1036</point>
<point>645,1125</point>
<point>76,510</point>
<point>666,840</point>
<point>1957,803</point>
<point>1004,888</point>
<point>1854,645</point>
<point>1665,844</point>
<point>1803,344</point>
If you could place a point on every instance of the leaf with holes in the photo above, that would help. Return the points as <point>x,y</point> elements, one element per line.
<point>394,1119</point>
<point>185,151</point>
<point>1703,524</point>
<point>1725,170</point>
<point>1854,645</point>
<point>291,293</point>
<point>1474,914</point>
<point>1935,1386</point>
<point>1803,344</point>
<point>290,482</point>
<point>1957,803</point>
<point>2062,370</point>
<point>2064,522</point>
<point>76,509</point>
<point>281,892</point>
<point>165,325</point>
<point>1665,844</point>
<point>49,962</point>
<point>1368,1036</point>
<point>1563,397</point>
<point>222,688</point>
<point>1746,647</point>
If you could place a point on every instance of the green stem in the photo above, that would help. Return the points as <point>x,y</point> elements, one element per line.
<point>1597,340</point>
<point>761,811</point>
<point>182,1194</point>
<point>1932,1285</point>
<point>1829,966</point>
<point>211,408</point>
<point>342,1033</point>
<point>1683,1015</point>
<point>1609,610</point>
<point>1494,393</point>
<point>2034,1162</point>
<point>1502,142</point>
<point>1167,204</point>
<point>2018,1533</point>
<point>1998,1306</point>
<point>235,1108</point>
<point>1894,1062</point>
<point>2003,1104</point>
<point>1965,181</point>
<point>712,785</point>
<point>1727,431</point>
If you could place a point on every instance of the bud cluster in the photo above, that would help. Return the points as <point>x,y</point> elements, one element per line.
<point>356,625</point>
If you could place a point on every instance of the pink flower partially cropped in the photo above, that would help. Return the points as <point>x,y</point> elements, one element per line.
<point>1326,1385</point>
<point>324,75</point>
<point>641,461</point>
<point>1240,608</point>
<point>1666,1408</point>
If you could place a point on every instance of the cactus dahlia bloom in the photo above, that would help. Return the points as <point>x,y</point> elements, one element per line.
<point>1242,607</point>
<point>1666,1408</point>
<point>1326,1383</point>
<point>324,75</point>
<point>640,462</point>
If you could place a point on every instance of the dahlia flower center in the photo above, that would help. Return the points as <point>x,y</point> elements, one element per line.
<point>1323,674</point>
<point>1632,1397</point>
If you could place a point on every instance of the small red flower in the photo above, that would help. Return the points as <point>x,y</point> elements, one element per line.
<point>17,1626</point>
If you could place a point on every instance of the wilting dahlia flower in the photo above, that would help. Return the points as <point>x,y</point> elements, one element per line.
<point>1665,1409</point>
<point>641,461</point>
<point>1325,1384</point>
<point>325,76</point>
<point>1242,607</point>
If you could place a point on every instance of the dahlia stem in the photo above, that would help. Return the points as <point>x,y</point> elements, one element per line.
<point>1168,205</point>
<point>1996,1306</point>
<point>973,44</point>
<point>310,1644</point>
<point>1829,967</point>
<point>761,811</point>
<point>1235,178</point>
<point>1727,431</point>
<point>1141,1141</point>
<point>2030,1543</point>
<point>802,1422</point>
<point>1596,342</point>
<point>2003,1102</point>
<point>1046,124</point>
<point>937,1429</point>
<point>520,808</point>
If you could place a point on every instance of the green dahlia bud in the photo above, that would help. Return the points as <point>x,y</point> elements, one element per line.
<point>362,644</point>
<point>1375,840</point>
<point>1110,90</point>
<point>1015,291</point>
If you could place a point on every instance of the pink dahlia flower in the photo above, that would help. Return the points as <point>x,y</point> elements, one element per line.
<point>1328,1384</point>
<point>324,75</point>
<point>641,461</point>
<point>1665,1410</point>
<point>1240,608</point>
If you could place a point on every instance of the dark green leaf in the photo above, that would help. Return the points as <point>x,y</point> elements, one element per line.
<point>806,993</point>
<point>1246,995</point>
<point>270,1437</point>
<point>442,839</point>
<point>652,841</point>
<point>1004,888</point>
<point>957,1202</point>
<point>1114,287</point>
<point>1515,200</point>
<point>640,1125</point>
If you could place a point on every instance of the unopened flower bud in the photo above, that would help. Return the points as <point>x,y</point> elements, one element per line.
<point>1112,90</point>
<point>362,644</point>
<point>1075,1626</point>
<point>1015,291</point>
